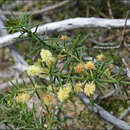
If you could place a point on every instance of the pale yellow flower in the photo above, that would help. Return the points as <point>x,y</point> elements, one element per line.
<point>89,88</point>
<point>90,65</point>
<point>47,99</point>
<point>78,87</point>
<point>79,68</point>
<point>22,97</point>
<point>47,57</point>
<point>63,37</point>
<point>34,70</point>
<point>45,54</point>
<point>64,92</point>
<point>100,57</point>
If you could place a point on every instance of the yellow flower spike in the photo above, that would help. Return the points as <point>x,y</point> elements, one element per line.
<point>100,57</point>
<point>34,70</point>
<point>23,97</point>
<point>89,88</point>
<point>64,92</point>
<point>47,57</point>
<point>63,37</point>
<point>79,68</point>
<point>90,65</point>
<point>47,99</point>
<point>78,87</point>
<point>45,54</point>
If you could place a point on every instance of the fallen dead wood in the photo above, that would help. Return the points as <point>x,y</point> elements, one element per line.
<point>104,114</point>
<point>68,24</point>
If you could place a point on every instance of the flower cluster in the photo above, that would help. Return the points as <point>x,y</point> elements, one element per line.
<point>81,67</point>
<point>37,69</point>
<point>63,92</point>
<point>89,88</point>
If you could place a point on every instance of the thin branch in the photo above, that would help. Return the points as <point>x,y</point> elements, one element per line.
<point>107,47</point>
<point>36,12</point>
<point>102,44</point>
<point>109,9</point>
<point>104,114</point>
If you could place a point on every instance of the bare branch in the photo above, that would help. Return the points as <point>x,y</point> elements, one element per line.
<point>68,24</point>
